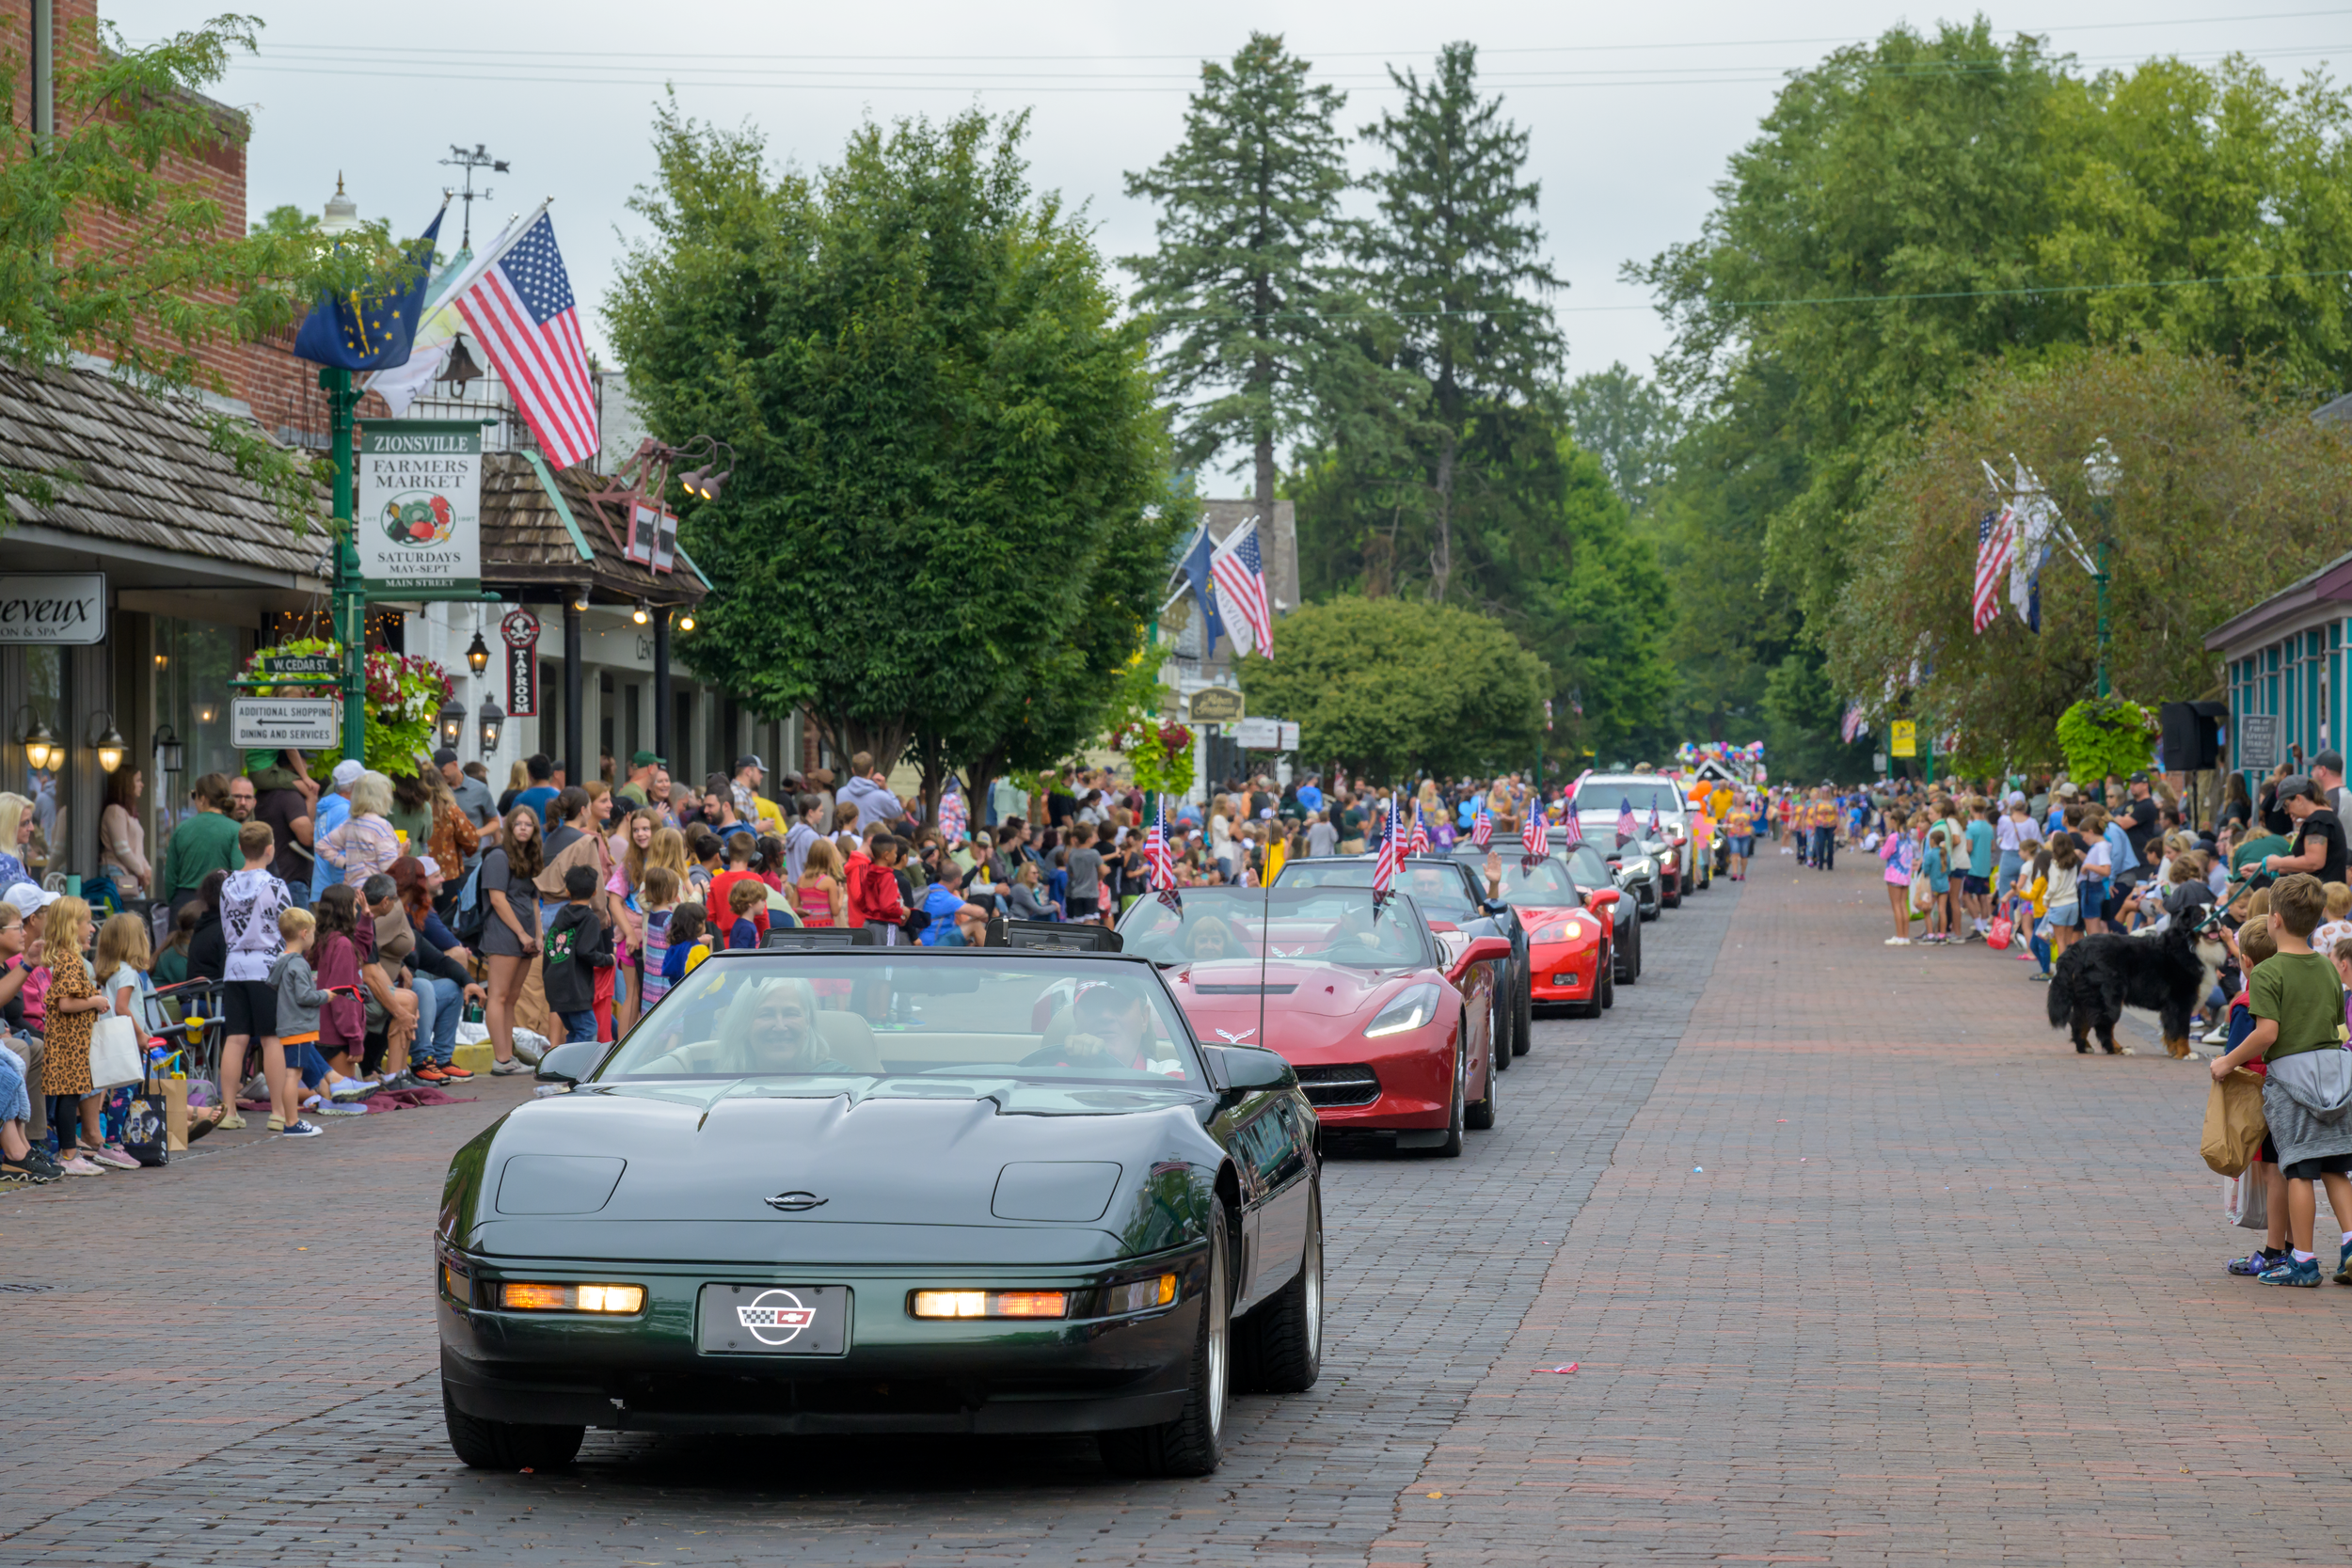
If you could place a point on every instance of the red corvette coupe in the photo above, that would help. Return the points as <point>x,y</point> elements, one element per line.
<point>1570,934</point>
<point>1392,1024</point>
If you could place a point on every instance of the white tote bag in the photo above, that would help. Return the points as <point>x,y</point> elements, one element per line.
<point>114,1052</point>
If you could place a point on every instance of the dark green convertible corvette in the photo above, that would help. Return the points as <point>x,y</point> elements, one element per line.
<point>893,1190</point>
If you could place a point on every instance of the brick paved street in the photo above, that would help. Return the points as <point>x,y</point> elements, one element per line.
<point>1941,1290</point>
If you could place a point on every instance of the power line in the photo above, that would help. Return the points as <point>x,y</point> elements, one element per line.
<point>2038,289</point>
<point>437,52</point>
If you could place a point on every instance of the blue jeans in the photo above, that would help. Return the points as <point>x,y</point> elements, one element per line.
<point>439,1005</point>
<point>580,1025</point>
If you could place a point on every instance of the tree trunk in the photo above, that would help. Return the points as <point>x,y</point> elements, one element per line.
<point>930,756</point>
<point>1441,544</point>
<point>885,741</point>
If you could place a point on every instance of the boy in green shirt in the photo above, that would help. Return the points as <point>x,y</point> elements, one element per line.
<point>2298,1002</point>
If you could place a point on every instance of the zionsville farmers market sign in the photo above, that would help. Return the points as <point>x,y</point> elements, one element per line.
<point>419,509</point>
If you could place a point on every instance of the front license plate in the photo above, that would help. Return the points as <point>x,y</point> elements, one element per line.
<point>773,1320</point>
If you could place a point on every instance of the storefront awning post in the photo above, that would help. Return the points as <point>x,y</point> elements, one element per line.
<point>350,594</point>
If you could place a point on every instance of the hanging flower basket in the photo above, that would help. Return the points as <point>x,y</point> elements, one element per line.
<point>404,699</point>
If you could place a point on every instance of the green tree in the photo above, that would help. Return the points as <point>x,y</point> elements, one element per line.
<point>2229,489</point>
<point>1386,686</point>
<point>1631,425</point>
<point>947,453</point>
<point>1237,292</point>
<point>1602,623</point>
<point>1454,260</point>
<point>174,277</point>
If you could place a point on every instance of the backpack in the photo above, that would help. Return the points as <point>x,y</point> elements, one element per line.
<point>471,916</point>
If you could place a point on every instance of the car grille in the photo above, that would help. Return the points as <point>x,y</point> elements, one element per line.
<point>1353,1085</point>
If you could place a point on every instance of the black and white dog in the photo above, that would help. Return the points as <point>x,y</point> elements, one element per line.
<point>2173,972</point>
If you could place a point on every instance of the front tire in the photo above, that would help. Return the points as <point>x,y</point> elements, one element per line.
<point>1278,1349</point>
<point>1608,985</point>
<point>1523,1011</point>
<point>1451,1147</point>
<point>1190,1443</point>
<point>486,1444</point>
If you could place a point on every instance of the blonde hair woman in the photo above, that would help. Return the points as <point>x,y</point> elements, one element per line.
<point>17,822</point>
<point>817,895</point>
<point>365,844</point>
<point>71,1009</point>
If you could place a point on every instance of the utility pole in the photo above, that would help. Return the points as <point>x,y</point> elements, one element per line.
<point>470,161</point>
<point>350,596</point>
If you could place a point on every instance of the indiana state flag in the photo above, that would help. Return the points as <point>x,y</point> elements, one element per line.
<point>371,331</point>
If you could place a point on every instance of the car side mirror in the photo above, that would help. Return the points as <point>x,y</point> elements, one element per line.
<point>1481,950</point>
<point>1603,899</point>
<point>568,1064</point>
<point>1245,1069</point>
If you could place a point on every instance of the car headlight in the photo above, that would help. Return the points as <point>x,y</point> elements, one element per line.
<point>988,1304</point>
<point>1413,1007</point>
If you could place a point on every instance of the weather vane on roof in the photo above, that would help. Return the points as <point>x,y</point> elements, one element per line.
<point>470,161</point>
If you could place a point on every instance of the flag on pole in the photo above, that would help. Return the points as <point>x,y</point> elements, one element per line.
<point>1568,823</point>
<point>1850,729</point>
<point>1159,859</point>
<point>369,331</point>
<point>1238,569</point>
<point>1532,834</point>
<point>523,310</point>
<point>1628,829</point>
<point>1996,532</point>
<point>1482,828</point>
<point>1656,827</point>
<point>1384,865</point>
<point>1193,567</point>
<point>1419,845</point>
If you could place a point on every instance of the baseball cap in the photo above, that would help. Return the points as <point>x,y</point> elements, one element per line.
<point>29,899</point>
<point>643,759</point>
<point>2068,790</point>
<point>443,757</point>
<point>749,759</point>
<point>2332,761</point>
<point>348,772</point>
<point>2298,784</point>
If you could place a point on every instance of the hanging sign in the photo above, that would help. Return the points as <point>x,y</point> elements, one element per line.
<point>1258,735</point>
<point>519,630</point>
<point>653,538</point>
<point>54,608</point>
<point>301,664</point>
<point>270,724</point>
<point>1215,704</point>
<point>1905,734</point>
<point>418,510</point>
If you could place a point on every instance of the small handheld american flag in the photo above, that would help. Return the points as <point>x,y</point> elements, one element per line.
<point>1420,842</point>
<point>1482,828</point>
<point>1532,835</point>
<point>1158,856</point>
<point>1628,829</point>
<point>1384,865</point>
<point>1656,827</point>
<point>1568,824</point>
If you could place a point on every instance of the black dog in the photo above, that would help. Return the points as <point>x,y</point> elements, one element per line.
<point>2173,972</point>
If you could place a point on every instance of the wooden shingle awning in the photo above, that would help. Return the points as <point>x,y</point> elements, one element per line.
<point>543,536</point>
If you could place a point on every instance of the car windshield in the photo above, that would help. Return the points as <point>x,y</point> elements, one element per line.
<point>1334,925</point>
<point>1436,887</point>
<point>1598,797</point>
<point>1025,1016</point>
<point>1538,884</point>
<point>1587,867</point>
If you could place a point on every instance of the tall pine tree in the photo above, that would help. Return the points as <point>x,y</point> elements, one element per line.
<point>1249,213</point>
<point>1455,257</point>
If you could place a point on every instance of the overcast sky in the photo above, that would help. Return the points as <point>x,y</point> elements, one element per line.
<point>1633,109</point>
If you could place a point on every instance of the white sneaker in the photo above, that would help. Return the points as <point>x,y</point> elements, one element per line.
<point>2219,1036</point>
<point>1897,942</point>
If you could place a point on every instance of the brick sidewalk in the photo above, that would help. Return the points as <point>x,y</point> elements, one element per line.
<point>1883,1272</point>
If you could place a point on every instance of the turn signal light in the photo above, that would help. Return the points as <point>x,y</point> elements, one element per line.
<point>991,1304</point>
<point>519,1297</point>
<point>1141,1296</point>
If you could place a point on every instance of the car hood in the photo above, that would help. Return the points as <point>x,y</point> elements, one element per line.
<point>685,1169</point>
<point>1311,1009</point>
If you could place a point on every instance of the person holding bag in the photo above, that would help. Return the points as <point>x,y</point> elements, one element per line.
<point>71,1007</point>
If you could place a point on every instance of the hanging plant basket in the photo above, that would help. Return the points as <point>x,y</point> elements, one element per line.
<point>404,700</point>
<point>2103,735</point>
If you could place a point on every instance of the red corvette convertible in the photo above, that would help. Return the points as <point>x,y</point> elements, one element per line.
<point>1392,1024</point>
<point>1570,934</point>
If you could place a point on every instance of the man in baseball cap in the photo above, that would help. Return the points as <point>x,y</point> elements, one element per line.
<point>638,791</point>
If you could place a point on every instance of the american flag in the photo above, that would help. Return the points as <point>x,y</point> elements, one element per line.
<point>1384,865</point>
<point>1482,828</point>
<point>1419,845</point>
<point>1568,826</point>
<point>1158,858</point>
<point>1850,729</point>
<point>1628,830</point>
<point>523,311</point>
<point>1532,834</point>
<point>1996,531</point>
<point>1656,827</point>
<point>1239,572</point>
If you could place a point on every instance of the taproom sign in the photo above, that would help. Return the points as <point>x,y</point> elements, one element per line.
<point>418,511</point>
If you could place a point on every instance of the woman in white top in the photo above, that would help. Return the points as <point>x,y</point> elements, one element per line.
<point>121,837</point>
<point>1221,835</point>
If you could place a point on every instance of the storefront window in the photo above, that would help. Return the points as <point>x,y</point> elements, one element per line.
<point>192,693</point>
<point>46,675</point>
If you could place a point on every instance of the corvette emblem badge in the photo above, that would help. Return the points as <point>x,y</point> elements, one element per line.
<point>1232,1039</point>
<point>795,1203</point>
<point>775,1317</point>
